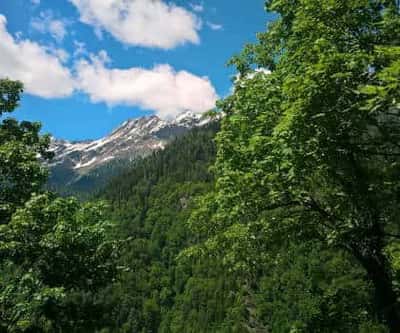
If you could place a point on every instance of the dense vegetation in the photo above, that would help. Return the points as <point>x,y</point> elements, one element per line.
<point>286,222</point>
<point>152,203</point>
<point>55,255</point>
<point>310,153</point>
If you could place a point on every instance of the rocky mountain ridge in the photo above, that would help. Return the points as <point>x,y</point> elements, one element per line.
<point>76,162</point>
<point>135,137</point>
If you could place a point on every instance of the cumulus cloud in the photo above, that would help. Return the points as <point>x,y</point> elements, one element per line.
<point>39,68</point>
<point>46,23</point>
<point>60,54</point>
<point>44,73</point>
<point>161,88</point>
<point>147,23</point>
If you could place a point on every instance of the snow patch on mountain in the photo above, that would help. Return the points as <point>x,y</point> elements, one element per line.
<point>134,138</point>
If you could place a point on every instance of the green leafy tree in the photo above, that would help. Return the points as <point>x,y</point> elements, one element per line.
<point>55,254</point>
<point>311,151</point>
<point>21,173</point>
<point>10,92</point>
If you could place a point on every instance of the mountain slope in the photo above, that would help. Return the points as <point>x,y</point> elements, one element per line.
<point>156,209</point>
<point>151,202</point>
<point>85,166</point>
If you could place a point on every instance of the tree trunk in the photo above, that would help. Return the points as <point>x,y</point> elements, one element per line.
<point>386,300</point>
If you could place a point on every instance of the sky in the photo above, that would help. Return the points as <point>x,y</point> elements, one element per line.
<point>89,65</point>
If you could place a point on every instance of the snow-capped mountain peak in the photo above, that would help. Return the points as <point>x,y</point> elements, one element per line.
<point>133,138</point>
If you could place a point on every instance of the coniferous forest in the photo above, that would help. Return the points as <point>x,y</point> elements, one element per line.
<point>281,215</point>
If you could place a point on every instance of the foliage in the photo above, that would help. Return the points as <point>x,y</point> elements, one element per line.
<point>267,281</point>
<point>52,250</point>
<point>310,151</point>
<point>55,254</point>
<point>151,202</point>
<point>21,173</point>
<point>9,95</point>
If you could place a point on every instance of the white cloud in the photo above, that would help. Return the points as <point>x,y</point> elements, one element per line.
<point>57,29</point>
<point>43,71</point>
<point>214,26</point>
<point>147,23</point>
<point>197,7</point>
<point>46,23</point>
<point>35,2</point>
<point>161,88</point>
<point>39,68</point>
<point>61,54</point>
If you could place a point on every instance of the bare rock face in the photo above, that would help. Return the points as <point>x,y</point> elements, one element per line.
<point>134,138</point>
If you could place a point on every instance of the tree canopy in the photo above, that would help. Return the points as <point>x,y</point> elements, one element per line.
<point>55,254</point>
<point>310,151</point>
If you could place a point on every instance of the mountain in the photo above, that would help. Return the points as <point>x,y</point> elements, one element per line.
<point>84,166</point>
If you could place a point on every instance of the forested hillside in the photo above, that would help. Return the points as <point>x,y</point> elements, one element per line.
<point>151,204</point>
<point>82,168</point>
<point>282,216</point>
<point>164,289</point>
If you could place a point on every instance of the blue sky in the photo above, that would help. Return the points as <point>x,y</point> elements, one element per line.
<point>88,66</point>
